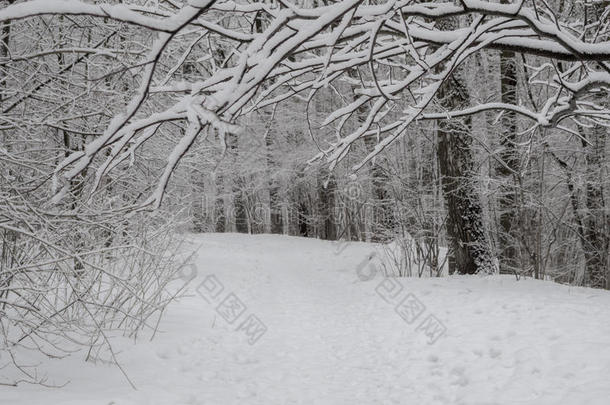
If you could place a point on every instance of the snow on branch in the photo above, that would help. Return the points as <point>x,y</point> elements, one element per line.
<point>272,51</point>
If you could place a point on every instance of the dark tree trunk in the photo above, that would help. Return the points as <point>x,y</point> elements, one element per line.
<point>465,228</point>
<point>303,218</point>
<point>239,206</point>
<point>275,202</point>
<point>240,215</point>
<point>199,203</point>
<point>327,187</point>
<point>275,215</point>
<point>470,252</point>
<point>596,222</point>
<point>220,217</point>
<point>507,172</point>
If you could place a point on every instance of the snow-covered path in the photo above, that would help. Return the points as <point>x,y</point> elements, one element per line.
<point>332,339</point>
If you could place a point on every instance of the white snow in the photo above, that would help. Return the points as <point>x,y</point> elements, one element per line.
<point>332,339</point>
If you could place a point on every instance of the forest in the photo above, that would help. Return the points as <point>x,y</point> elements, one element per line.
<point>464,137</point>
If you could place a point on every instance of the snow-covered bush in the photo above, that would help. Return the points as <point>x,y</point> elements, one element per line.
<point>68,284</point>
<point>406,256</point>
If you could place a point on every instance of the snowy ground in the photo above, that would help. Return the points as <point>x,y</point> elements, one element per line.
<point>334,337</point>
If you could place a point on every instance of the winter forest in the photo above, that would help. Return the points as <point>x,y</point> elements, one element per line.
<point>304,202</point>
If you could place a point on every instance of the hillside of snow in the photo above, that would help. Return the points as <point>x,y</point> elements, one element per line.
<point>285,320</point>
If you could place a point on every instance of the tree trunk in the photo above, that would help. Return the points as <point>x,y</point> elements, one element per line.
<point>275,202</point>
<point>302,216</point>
<point>383,217</point>
<point>327,187</point>
<point>596,221</point>
<point>467,234</point>
<point>198,203</point>
<point>220,217</point>
<point>240,215</point>
<point>239,206</point>
<point>507,173</point>
<point>470,251</point>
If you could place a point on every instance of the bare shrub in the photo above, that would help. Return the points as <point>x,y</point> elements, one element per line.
<point>406,256</point>
<point>73,283</point>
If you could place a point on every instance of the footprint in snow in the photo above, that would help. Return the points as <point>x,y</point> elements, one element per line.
<point>460,378</point>
<point>495,337</point>
<point>494,353</point>
<point>243,359</point>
